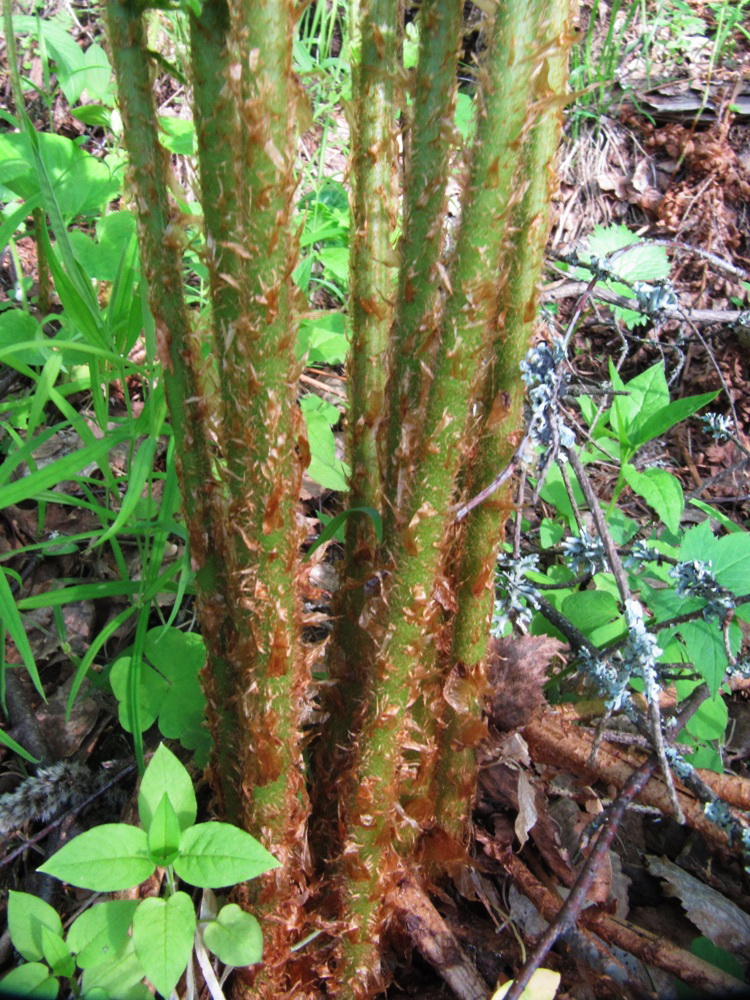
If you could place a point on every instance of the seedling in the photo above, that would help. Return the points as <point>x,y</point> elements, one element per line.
<point>116,944</point>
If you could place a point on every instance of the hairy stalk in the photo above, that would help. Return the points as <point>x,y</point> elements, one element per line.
<point>216,121</point>
<point>252,252</point>
<point>162,264</point>
<point>420,278</point>
<point>372,268</point>
<point>405,666</point>
<point>244,531</point>
<point>495,434</point>
<point>216,125</point>
<point>372,257</point>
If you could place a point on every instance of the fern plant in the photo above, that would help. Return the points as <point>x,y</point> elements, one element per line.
<point>440,319</point>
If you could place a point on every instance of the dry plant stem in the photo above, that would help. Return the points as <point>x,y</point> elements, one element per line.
<point>409,619</point>
<point>615,564</point>
<point>493,435</point>
<point>556,741</point>
<point>435,940</point>
<point>649,948</point>
<point>574,903</point>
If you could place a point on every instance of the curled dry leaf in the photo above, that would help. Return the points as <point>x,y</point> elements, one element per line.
<point>721,920</point>
<point>517,669</point>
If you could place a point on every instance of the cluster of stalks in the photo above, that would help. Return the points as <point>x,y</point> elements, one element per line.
<point>434,411</point>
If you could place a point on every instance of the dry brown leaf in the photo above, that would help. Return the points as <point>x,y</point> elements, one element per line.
<point>517,670</point>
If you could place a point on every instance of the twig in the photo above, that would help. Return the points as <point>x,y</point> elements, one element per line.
<point>568,913</point>
<point>436,940</point>
<point>573,905</point>
<point>496,483</point>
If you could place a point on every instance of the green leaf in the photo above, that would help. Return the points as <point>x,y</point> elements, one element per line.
<point>324,467</point>
<point>165,775</point>
<point>661,421</point>
<point>706,758</point>
<point>323,339</point>
<point>645,395</point>
<point>151,692</point>
<point>726,522</point>
<point>101,259</point>
<point>218,854</point>
<point>118,976</point>
<point>705,646</point>
<point>588,609</point>
<point>140,469</point>
<point>555,493</point>
<point>178,135</point>
<point>18,327</point>
<point>164,833</point>
<point>101,932</point>
<point>70,60</point>
<point>163,931</point>
<point>641,262</point>
<point>719,957</point>
<point>80,183</point>
<point>661,490</point>
<point>30,980</point>
<point>710,721</point>
<point>335,523</point>
<point>11,744</point>
<point>550,533</point>
<point>28,916</point>
<point>107,858</point>
<point>98,84</point>
<point>731,562</point>
<point>179,657</point>
<point>335,260</point>
<point>56,472</point>
<point>699,543</point>
<point>56,954</point>
<point>234,936</point>
<point>93,114</point>
<point>11,619</point>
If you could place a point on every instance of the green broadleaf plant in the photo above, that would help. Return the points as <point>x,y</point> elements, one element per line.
<point>120,942</point>
<point>589,598</point>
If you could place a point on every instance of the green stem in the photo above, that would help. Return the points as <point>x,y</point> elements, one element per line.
<point>421,287</point>
<point>245,127</point>
<point>42,264</point>
<point>162,263</point>
<point>494,436</point>
<point>372,269</point>
<point>405,665</point>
